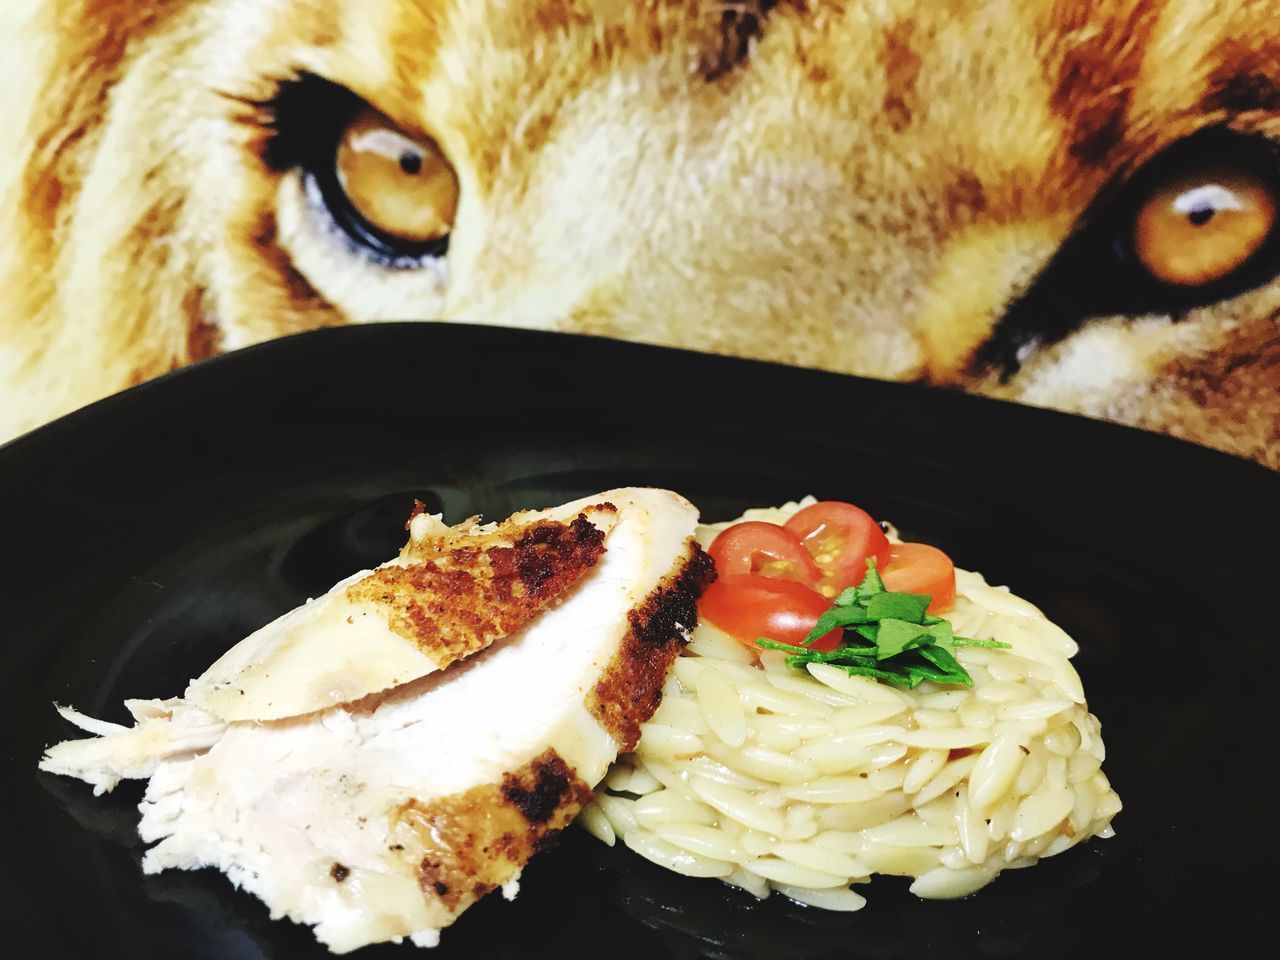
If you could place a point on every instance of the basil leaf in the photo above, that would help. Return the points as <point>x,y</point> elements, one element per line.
<point>846,597</point>
<point>943,659</point>
<point>871,584</point>
<point>942,634</point>
<point>803,655</point>
<point>839,657</point>
<point>970,642</point>
<point>779,645</point>
<point>898,606</point>
<point>867,631</point>
<point>836,617</point>
<point>897,636</point>
<point>926,671</point>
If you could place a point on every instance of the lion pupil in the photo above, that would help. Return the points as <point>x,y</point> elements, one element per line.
<point>1198,217</point>
<point>411,163</point>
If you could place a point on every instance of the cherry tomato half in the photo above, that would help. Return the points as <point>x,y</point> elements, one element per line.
<point>764,548</point>
<point>748,605</point>
<point>841,537</point>
<point>920,568</point>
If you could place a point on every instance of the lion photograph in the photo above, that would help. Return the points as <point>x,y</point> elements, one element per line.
<point>1062,203</point>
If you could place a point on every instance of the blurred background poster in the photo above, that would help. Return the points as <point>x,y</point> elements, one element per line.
<point>1065,204</point>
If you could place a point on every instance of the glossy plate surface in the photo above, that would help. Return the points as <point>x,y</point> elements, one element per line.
<point>145,534</point>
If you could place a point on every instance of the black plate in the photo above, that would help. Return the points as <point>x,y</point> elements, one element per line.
<point>145,534</point>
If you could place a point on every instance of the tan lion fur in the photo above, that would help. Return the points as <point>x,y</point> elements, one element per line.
<point>859,186</point>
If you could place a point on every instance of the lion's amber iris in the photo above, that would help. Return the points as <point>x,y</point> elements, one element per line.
<point>402,186</point>
<point>1195,229</point>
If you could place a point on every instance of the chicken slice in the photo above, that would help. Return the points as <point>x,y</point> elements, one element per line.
<point>163,730</point>
<point>387,817</point>
<point>450,593</point>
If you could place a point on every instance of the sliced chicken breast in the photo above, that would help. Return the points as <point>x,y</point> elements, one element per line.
<point>450,593</point>
<point>386,817</point>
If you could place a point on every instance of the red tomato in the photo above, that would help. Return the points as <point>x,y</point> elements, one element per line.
<point>747,606</point>
<point>764,548</point>
<point>920,568</point>
<point>841,537</point>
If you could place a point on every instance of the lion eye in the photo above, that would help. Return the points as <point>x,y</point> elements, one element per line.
<point>391,194</point>
<point>1197,228</point>
<point>403,189</point>
<point>1198,224</point>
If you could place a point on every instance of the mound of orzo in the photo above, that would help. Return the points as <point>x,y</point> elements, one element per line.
<point>810,781</point>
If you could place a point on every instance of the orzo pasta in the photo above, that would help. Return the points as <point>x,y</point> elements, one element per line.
<point>809,781</point>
